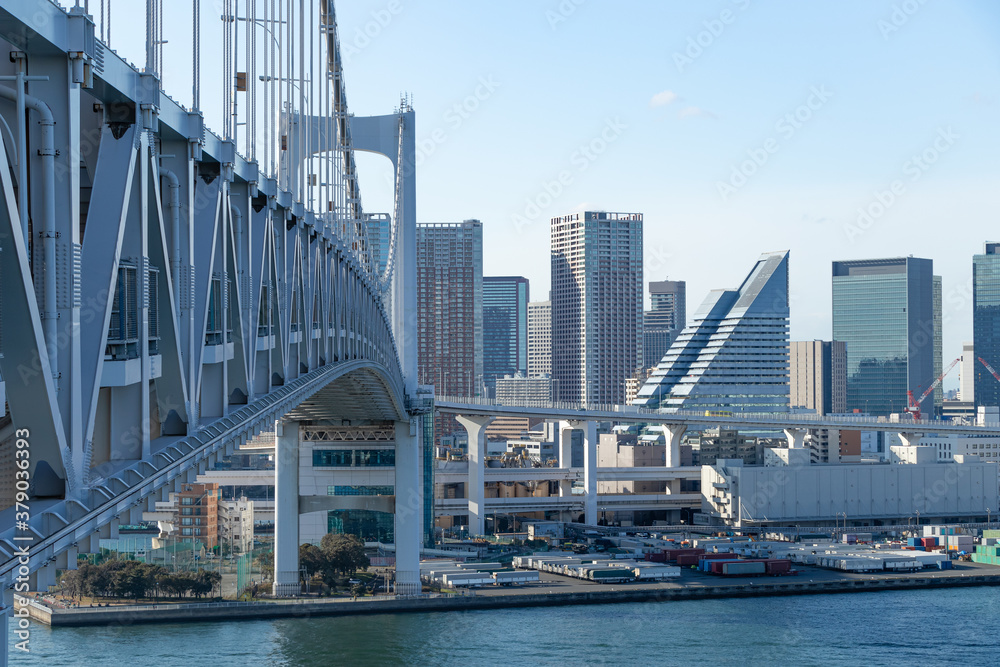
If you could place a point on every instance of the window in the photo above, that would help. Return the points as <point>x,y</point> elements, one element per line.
<point>332,458</point>
<point>187,501</point>
<point>186,510</point>
<point>386,490</point>
<point>185,531</point>
<point>185,522</point>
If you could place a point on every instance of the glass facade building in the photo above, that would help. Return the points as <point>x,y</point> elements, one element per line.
<point>986,324</point>
<point>734,356</point>
<point>505,328</point>
<point>883,310</point>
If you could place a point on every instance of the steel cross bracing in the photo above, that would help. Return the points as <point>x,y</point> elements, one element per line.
<point>168,292</point>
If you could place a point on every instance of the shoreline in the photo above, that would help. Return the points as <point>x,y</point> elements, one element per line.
<point>238,611</point>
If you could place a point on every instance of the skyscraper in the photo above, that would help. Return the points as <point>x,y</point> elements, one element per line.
<point>986,323</point>
<point>539,338</point>
<point>938,344</point>
<point>505,328</point>
<point>967,374</point>
<point>734,355</point>
<point>883,309</point>
<point>450,311</point>
<point>668,301</point>
<point>817,374</point>
<point>596,304</point>
<point>665,319</point>
<point>379,231</point>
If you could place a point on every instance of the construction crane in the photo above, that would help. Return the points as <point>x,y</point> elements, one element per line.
<point>914,407</point>
<point>989,368</point>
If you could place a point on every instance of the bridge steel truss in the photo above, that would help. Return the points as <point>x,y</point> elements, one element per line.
<point>166,293</point>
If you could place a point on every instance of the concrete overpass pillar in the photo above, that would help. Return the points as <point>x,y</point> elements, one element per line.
<point>910,439</point>
<point>672,434</point>
<point>474,490</point>
<point>286,508</point>
<point>796,437</point>
<point>589,470</point>
<point>564,443</point>
<point>409,507</point>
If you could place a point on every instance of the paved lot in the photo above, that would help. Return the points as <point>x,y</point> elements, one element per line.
<point>554,583</point>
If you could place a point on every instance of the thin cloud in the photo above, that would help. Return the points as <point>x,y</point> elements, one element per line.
<point>695,112</point>
<point>663,99</point>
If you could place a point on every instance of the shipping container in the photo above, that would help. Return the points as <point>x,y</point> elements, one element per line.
<point>743,568</point>
<point>778,566</point>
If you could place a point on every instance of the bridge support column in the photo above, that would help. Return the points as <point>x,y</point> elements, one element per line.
<point>672,434</point>
<point>910,439</point>
<point>474,491</point>
<point>286,509</point>
<point>589,470</point>
<point>564,435</point>
<point>796,437</point>
<point>409,508</point>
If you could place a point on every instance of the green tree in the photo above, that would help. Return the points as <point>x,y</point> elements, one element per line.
<point>345,553</point>
<point>312,560</point>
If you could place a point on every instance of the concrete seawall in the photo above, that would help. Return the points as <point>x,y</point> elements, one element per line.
<point>183,613</point>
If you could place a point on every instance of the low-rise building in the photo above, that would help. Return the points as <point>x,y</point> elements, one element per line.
<point>801,493</point>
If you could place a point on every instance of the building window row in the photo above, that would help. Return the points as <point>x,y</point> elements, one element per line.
<point>354,458</point>
<point>344,490</point>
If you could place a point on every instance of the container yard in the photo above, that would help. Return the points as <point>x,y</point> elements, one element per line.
<point>472,575</point>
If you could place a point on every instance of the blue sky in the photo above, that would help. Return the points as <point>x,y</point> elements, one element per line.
<point>873,84</point>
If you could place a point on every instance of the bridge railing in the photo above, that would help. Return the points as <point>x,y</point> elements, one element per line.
<point>608,410</point>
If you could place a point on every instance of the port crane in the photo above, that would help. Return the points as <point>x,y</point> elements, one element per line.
<point>914,407</point>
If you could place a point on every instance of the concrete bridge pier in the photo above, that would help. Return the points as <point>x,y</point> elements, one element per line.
<point>286,508</point>
<point>796,437</point>
<point>475,491</point>
<point>589,429</point>
<point>564,444</point>
<point>672,434</point>
<point>910,439</point>
<point>409,508</point>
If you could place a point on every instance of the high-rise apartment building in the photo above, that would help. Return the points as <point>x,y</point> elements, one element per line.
<point>664,320</point>
<point>817,376</point>
<point>539,338</point>
<point>734,355</point>
<point>379,232</point>
<point>884,310</point>
<point>668,301</point>
<point>521,390</point>
<point>505,328</point>
<point>986,323</point>
<point>967,374</point>
<point>450,311</point>
<point>596,304</point>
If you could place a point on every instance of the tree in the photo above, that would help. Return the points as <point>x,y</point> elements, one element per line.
<point>345,553</point>
<point>204,582</point>
<point>312,560</point>
<point>265,562</point>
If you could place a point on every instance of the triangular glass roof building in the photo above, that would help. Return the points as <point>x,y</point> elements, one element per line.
<point>733,358</point>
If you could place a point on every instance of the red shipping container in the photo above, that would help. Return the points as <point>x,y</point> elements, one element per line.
<point>779,566</point>
<point>687,559</point>
<point>657,558</point>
